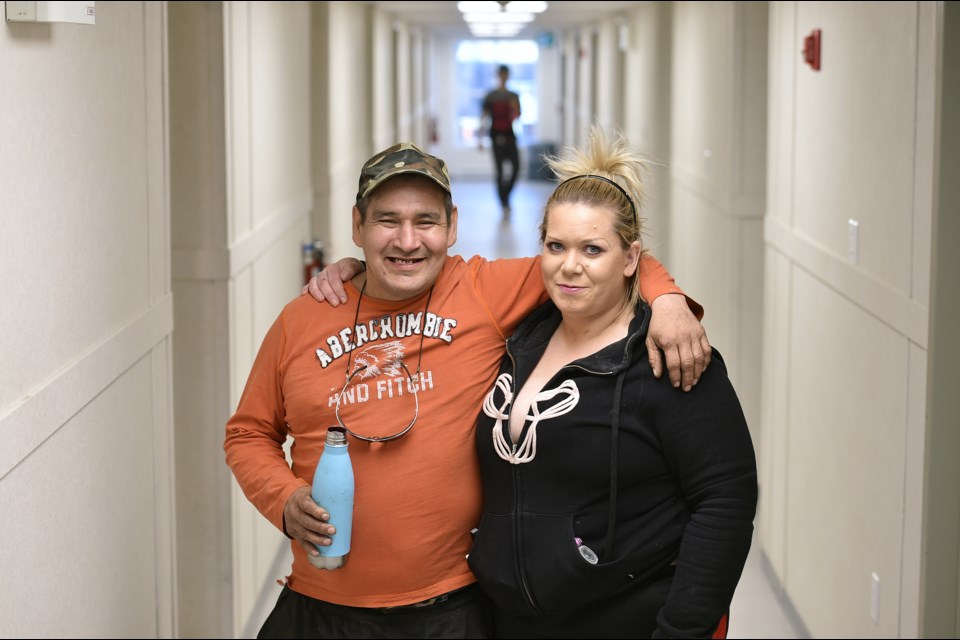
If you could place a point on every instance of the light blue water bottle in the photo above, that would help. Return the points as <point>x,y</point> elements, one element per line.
<point>333,490</point>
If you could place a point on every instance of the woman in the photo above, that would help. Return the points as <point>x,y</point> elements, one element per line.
<point>607,513</point>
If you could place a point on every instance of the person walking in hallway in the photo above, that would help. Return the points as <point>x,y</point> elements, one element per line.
<point>500,108</point>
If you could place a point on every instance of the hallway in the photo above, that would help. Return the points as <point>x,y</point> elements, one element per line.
<point>481,229</point>
<point>163,167</point>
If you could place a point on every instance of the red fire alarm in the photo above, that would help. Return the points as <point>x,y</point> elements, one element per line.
<point>811,49</point>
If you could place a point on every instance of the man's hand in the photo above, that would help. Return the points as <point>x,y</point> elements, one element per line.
<point>328,284</point>
<point>675,330</point>
<point>306,522</point>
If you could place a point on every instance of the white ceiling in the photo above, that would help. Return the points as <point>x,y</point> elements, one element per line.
<point>444,17</point>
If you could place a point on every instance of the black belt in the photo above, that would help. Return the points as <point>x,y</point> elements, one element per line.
<point>429,602</point>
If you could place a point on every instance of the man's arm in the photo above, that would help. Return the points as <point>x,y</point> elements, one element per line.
<point>327,286</point>
<point>253,444</point>
<point>674,327</point>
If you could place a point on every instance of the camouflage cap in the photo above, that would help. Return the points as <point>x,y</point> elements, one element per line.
<point>404,157</point>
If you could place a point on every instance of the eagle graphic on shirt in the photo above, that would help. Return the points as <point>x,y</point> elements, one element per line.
<point>383,358</point>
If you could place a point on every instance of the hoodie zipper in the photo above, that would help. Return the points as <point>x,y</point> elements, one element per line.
<point>517,533</point>
<point>517,537</point>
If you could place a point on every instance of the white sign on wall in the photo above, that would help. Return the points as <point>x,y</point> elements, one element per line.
<point>79,12</point>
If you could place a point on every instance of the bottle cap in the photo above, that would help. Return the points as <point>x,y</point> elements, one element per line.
<point>336,436</point>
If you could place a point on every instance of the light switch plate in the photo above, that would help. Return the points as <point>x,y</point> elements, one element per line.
<point>853,240</point>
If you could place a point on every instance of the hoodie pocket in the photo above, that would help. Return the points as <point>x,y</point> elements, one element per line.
<point>539,563</point>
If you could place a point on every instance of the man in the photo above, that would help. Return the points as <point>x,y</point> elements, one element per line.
<point>500,108</point>
<point>417,481</point>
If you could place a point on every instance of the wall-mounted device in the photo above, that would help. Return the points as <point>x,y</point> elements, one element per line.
<point>79,12</point>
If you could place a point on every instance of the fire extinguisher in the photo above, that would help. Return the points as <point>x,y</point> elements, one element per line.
<point>313,259</point>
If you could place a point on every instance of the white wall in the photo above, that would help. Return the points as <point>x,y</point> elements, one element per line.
<point>372,68</point>
<point>717,171</point>
<point>242,198</point>
<point>86,424</point>
<point>647,113</point>
<point>346,52</point>
<point>608,89</point>
<point>845,340</point>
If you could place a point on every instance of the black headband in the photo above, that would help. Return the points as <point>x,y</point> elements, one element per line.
<point>633,207</point>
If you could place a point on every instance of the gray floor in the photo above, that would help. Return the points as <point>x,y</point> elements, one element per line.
<point>482,229</point>
<point>757,610</point>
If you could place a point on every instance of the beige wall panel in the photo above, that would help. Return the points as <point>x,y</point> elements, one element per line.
<point>320,92</point>
<point>203,524</point>
<point>349,124</point>
<point>926,153</point>
<point>418,114</point>
<point>243,343</point>
<point>702,95</point>
<point>384,88</point>
<point>744,355</point>
<point>846,455</point>
<point>272,286</point>
<point>198,180</point>
<point>870,175</point>
<point>701,250</point>
<point>647,113</point>
<point>75,204</point>
<point>245,518</point>
<point>348,54</point>
<point>256,300</point>
<point>79,538</point>
<point>716,259</point>
<point>771,446</point>
<point>157,119</point>
<point>404,77</point>
<point>608,84</point>
<point>85,396</point>
<point>238,108</point>
<point>782,67</point>
<point>913,505</point>
<point>548,125</point>
<point>749,171</point>
<point>164,488</point>
<point>569,44</point>
<point>246,579</point>
<point>279,105</point>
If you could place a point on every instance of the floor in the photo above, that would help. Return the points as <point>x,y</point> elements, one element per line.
<point>758,610</point>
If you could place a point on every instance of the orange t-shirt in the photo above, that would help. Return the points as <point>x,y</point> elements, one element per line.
<point>418,497</point>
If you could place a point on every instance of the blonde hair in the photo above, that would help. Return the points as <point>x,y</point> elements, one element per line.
<point>612,159</point>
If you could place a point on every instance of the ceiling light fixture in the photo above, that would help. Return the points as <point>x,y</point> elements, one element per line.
<point>495,6</point>
<point>499,18</point>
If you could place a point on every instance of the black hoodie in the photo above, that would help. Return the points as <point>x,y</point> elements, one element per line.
<point>636,478</point>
